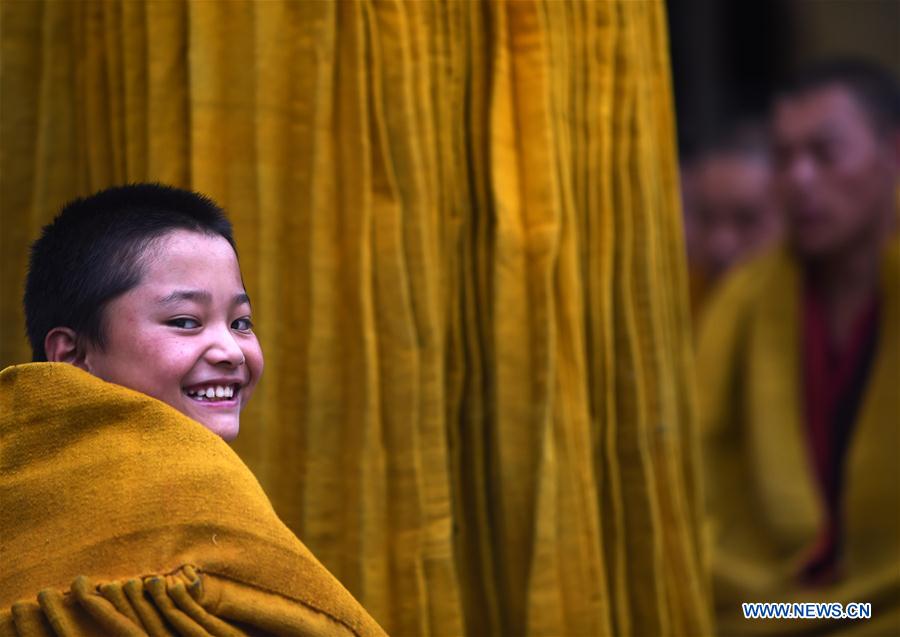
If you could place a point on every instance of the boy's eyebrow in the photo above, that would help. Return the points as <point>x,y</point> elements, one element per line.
<point>201,296</point>
<point>186,295</point>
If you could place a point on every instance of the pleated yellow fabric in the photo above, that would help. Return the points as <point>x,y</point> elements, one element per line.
<point>459,226</point>
<point>103,483</point>
<point>766,509</point>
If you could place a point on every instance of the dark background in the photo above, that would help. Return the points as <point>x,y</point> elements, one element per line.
<point>728,55</point>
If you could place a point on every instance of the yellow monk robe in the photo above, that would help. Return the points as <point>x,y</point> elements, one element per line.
<point>121,516</point>
<point>765,503</point>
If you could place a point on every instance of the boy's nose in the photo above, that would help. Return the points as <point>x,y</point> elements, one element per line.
<point>225,349</point>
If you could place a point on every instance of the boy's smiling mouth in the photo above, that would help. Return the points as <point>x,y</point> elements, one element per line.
<point>213,392</point>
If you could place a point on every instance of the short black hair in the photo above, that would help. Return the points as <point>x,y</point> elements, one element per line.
<point>874,87</point>
<point>93,252</point>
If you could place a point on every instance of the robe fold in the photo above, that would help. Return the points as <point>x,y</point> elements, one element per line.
<point>766,506</point>
<point>121,516</point>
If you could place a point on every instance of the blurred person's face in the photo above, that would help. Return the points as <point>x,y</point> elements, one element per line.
<point>183,335</point>
<point>735,210</point>
<point>836,178</point>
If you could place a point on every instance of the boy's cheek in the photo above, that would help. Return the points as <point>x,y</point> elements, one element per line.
<point>255,359</point>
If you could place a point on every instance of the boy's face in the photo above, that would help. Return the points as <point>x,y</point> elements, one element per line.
<point>184,333</point>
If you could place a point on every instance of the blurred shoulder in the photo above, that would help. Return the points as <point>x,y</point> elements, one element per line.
<point>747,286</point>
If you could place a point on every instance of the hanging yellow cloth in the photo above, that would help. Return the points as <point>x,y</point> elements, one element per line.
<point>766,507</point>
<point>147,518</point>
<point>460,228</point>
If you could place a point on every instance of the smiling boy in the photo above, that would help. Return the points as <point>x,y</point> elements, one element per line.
<point>147,274</point>
<point>110,481</point>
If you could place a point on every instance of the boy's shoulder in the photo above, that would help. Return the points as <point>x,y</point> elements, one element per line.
<point>101,481</point>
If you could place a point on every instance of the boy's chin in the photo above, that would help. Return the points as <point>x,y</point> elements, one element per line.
<point>225,427</point>
<point>224,421</point>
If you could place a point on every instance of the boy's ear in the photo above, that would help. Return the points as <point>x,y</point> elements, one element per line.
<point>61,346</point>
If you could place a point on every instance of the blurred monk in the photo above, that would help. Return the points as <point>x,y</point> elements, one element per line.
<point>799,363</point>
<point>730,210</point>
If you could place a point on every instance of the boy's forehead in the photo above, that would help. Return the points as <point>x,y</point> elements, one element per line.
<point>175,260</point>
<point>188,246</point>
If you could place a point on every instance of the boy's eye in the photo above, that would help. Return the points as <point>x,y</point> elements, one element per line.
<point>242,324</point>
<point>184,323</point>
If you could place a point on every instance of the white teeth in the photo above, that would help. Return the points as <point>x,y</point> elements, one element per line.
<point>215,391</point>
